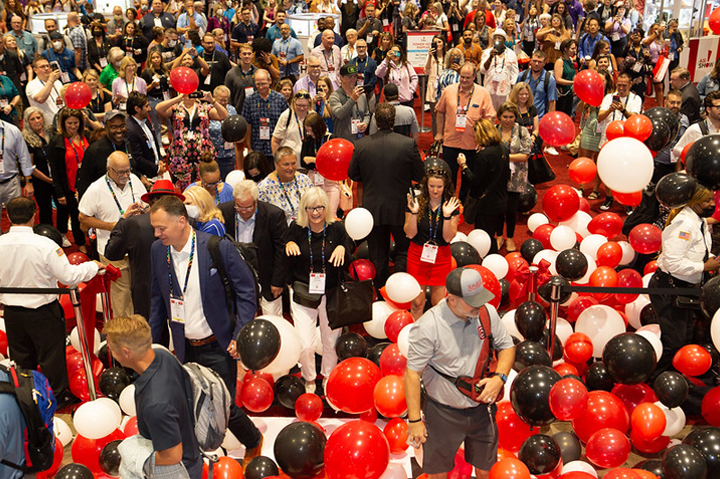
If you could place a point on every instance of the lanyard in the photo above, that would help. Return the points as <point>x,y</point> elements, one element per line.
<point>127,87</point>
<point>297,191</point>
<point>626,102</point>
<point>460,107</point>
<point>77,156</point>
<point>189,266</point>
<point>434,225</point>
<point>300,128</point>
<point>501,66</point>
<point>112,192</point>
<point>332,58</point>
<point>322,250</point>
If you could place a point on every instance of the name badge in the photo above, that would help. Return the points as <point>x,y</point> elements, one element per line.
<point>208,79</point>
<point>103,62</point>
<point>455,27</point>
<point>177,310</point>
<point>59,102</point>
<point>65,77</point>
<point>122,105</point>
<point>460,122</point>
<point>319,180</point>
<point>23,77</point>
<point>671,57</point>
<point>385,22</point>
<point>370,38</point>
<point>317,283</point>
<point>615,37</point>
<point>354,127</point>
<point>166,95</point>
<point>557,45</point>
<point>249,91</point>
<point>229,145</point>
<point>264,128</point>
<point>637,67</point>
<point>429,253</point>
<point>158,22</point>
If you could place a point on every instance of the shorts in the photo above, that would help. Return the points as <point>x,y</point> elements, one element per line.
<point>448,427</point>
<point>428,274</point>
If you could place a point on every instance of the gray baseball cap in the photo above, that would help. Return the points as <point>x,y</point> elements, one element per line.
<point>113,113</point>
<point>467,284</point>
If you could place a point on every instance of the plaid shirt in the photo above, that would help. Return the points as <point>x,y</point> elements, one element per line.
<point>255,108</point>
<point>77,37</point>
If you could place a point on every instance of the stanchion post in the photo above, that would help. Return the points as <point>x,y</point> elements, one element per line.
<point>423,87</point>
<point>84,349</point>
<point>107,316</point>
<point>532,288</point>
<point>555,294</point>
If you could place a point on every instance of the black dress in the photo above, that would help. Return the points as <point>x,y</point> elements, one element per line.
<point>44,192</point>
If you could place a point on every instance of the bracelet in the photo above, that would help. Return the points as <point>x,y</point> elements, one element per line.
<point>414,421</point>
<point>413,213</point>
<point>447,217</point>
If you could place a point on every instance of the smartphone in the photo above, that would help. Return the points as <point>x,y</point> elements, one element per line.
<point>412,193</point>
<point>54,66</point>
<point>197,94</point>
<point>616,98</point>
<point>456,61</point>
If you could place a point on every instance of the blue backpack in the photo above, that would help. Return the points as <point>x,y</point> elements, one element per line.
<point>37,403</point>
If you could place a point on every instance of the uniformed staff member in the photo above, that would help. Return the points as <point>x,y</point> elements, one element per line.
<point>34,323</point>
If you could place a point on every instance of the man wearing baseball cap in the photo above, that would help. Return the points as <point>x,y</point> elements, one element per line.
<point>446,343</point>
<point>133,237</point>
<point>499,64</point>
<point>349,107</point>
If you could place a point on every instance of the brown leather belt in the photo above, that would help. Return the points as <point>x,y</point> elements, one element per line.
<point>201,342</point>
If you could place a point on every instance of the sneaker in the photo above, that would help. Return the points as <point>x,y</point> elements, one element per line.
<point>310,387</point>
<point>607,204</point>
<point>551,151</point>
<point>629,210</point>
<point>65,242</point>
<point>427,107</point>
<point>250,454</point>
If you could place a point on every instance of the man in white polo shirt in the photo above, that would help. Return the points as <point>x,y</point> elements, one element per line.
<point>43,91</point>
<point>115,195</point>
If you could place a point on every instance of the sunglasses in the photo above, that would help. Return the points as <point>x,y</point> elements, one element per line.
<point>302,96</point>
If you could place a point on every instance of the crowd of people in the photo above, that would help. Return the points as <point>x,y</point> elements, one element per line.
<point>143,177</point>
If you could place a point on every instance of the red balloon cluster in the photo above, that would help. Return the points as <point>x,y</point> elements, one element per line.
<point>184,80</point>
<point>589,87</point>
<point>604,410</point>
<point>560,203</point>
<point>557,128</point>
<point>333,159</point>
<point>78,95</point>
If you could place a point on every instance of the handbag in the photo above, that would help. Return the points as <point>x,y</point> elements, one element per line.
<point>303,297</point>
<point>350,303</point>
<point>539,170</point>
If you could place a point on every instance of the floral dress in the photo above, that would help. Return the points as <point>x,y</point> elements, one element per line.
<point>191,136</point>
<point>519,143</point>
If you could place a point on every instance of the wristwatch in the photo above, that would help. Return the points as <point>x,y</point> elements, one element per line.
<point>501,376</point>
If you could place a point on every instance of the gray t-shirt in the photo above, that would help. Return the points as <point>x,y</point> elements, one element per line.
<point>441,339</point>
<point>406,122</point>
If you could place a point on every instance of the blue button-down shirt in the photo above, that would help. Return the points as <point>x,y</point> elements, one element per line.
<point>290,48</point>
<point>14,150</point>
<point>66,60</point>
<point>587,44</point>
<point>26,42</point>
<point>541,98</point>
<point>254,109</point>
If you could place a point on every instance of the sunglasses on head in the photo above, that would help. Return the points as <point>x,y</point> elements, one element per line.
<point>302,96</point>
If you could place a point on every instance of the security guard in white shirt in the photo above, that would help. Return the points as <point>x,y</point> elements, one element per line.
<point>685,256</point>
<point>34,323</point>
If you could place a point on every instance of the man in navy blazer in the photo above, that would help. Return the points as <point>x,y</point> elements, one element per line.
<point>147,154</point>
<point>187,293</point>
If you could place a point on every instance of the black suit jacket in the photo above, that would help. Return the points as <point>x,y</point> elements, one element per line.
<point>134,237</point>
<point>270,236</point>
<point>386,163</point>
<point>691,103</point>
<point>143,156</point>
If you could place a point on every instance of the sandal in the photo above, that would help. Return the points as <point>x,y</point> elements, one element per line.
<point>594,195</point>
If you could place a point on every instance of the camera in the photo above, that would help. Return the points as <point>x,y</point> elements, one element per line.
<point>196,94</point>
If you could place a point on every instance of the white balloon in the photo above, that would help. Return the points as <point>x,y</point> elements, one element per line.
<point>715,329</point>
<point>480,240</point>
<point>497,264</point>
<point>290,347</point>
<point>403,340</point>
<point>459,237</point>
<point>675,419</point>
<point>394,471</point>
<point>2,324</point>
<point>578,222</point>
<point>75,340</point>
<point>652,328</point>
<point>234,177</point>
<point>628,253</point>
<point>600,323</point>
<point>562,238</point>
<point>591,243</point>
<point>579,466</point>
<point>402,287</point>
<point>376,325</point>
<point>563,329</point>
<point>230,442</point>
<point>508,321</point>
<point>625,165</point>
<point>96,419</point>
<point>535,220</point>
<point>646,279</point>
<point>62,431</point>
<point>633,310</point>
<point>127,400</point>
<point>592,266</point>
<point>654,339</point>
<point>549,256</point>
<point>508,385</point>
<point>358,223</point>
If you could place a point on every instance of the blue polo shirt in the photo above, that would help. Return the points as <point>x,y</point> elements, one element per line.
<point>587,44</point>
<point>288,49</point>
<point>66,60</point>
<point>540,96</point>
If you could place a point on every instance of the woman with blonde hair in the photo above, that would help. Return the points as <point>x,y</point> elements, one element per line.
<point>126,82</point>
<point>100,101</point>
<point>441,20</point>
<point>202,208</point>
<point>550,38</point>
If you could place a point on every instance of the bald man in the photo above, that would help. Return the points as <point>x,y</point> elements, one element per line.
<point>329,55</point>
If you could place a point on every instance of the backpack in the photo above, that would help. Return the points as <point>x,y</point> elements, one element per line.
<point>526,74</point>
<point>248,252</point>
<point>37,404</point>
<point>704,127</point>
<point>209,405</point>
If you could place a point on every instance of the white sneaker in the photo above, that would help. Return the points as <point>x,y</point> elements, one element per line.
<point>310,387</point>
<point>65,242</point>
<point>426,107</point>
<point>551,151</point>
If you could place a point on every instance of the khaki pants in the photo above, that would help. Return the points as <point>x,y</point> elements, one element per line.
<point>120,296</point>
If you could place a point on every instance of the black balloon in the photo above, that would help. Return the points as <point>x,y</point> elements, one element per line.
<point>651,465</point>
<point>530,248</point>
<point>530,318</point>
<point>540,453</point>
<point>684,462</point>
<point>233,128</point>
<point>571,264</point>
<point>528,199</point>
<point>350,345</point>
<point>570,448</point>
<point>113,381</point>
<point>530,353</point>
<point>707,441</point>
<point>49,231</point>
<point>103,356</point>
<point>666,115</point>
<point>597,378</point>
<point>260,467</point>
<point>299,449</point>
<point>629,358</point>
<point>671,388</point>
<point>557,346</point>
<point>110,458</point>
<point>710,297</point>
<point>436,163</point>
<point>464,253</point>
<point>75,471</point>
<point>675,189</point>
<point>545,291</point>
<point>647,315</point>
<point>703,161</point>
<point>660,135</point>
<point>374,353</point>
<point>505,292</point>
<point>288,389</point>
<point>362,252</point>
<point>258,343</point>
<point>530,392</point>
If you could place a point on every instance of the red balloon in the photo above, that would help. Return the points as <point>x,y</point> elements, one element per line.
<point>131,427</point>
<point>392,362</point>
<point>351,385</point>
<point>604,410</point>
<point>333,159</point>
<point>607,224</point>
<point>87,451</point>
<point>578,347</point>
<point>568,399</point>
<point>257,395</point>
<point>74,362</point>
<point>184,80</point>
<point>504,454</point>
<point>79,385</point>
<point>579,304</point>
<point>308,407</point>
<point>512,431</point>
<point>389,396</point>
<point>515,262</point>
<point>227,468</point>
<point>557,128</point>
<point>714,21</point>
<point>638,127</point>
<point>356,450</point>
<point>78,95</point>
<point>565,369</point>
<point>253,375</point>
<point>461,469</point>
<point>648,446</point>
<point>542,234</point>
<point>609,254</point>
<point>686,149</point>
<point>77,258</point>
<point>615,129</point>
<point>711,407</point>
<point>364,268</point>
<point>582,170</point>
<point>560,202</point>
<point>650,267</point>
<point>621,473</point>
<point>604,277</point>
<point>509,469</point>
<point>608,447</point>
<point>628,199</point>
<point>648,420</point>
<point>369,416</point>
<point>57,460</point>
<point>576,475</point>
<point>396,322</point>
<point>589,87</point>
<point>392,303</point>
<point>628,278</point>
<point>395,432</point>
<point>584,205</point>
<point>645,238</point>
<point>692,360</point>
<point>490,282</point>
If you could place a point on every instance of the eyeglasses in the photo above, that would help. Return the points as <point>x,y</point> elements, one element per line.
<point>315,209</point>
<point>211,185</point>
<point>120,173</point>
<point>42,66</point>
<point>245,208</point>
